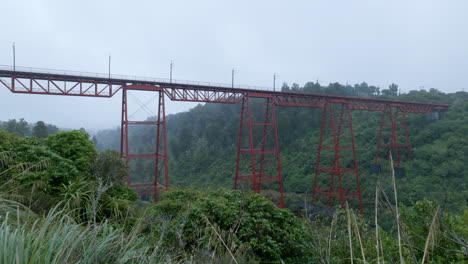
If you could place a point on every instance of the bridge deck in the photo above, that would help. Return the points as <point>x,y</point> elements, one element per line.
<point>52,82</point>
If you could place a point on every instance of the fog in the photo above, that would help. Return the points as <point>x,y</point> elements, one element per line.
<point>416,44</point>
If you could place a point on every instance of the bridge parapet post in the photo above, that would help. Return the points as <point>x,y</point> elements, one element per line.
<point>336,158</point>
<point>144,169</point>
<point>393,137</point>
<point>258,155</point>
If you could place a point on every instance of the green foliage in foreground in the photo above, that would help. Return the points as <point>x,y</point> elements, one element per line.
<point>75,146</point>
<point>445,233</point>
<point>69,205</point>
<point>271,233</point>
<point>65,169</point>
<point>58,239</point>
<point>192,233</point>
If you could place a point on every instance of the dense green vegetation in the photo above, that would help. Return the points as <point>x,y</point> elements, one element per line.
<point>63,201</point>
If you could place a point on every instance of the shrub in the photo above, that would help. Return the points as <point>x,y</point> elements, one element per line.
<point>271,233</point>
<point>75,146</point>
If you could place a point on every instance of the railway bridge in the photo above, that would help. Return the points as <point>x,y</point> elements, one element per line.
<point>258,161</point>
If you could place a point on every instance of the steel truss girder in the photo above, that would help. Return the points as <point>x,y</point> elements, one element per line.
<point>336,171</point>
<point>258,172</point>
<point>366,106</point>
<point>420,109</point>
<point>299,101</point>
<point>296,100</point>
<point>160,156</point>
<point>82,85</point>
<point>56,86</point>
<point>404,107</point>
<point>203,95</point>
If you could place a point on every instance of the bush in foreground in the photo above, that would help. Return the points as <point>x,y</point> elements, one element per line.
<point>249,220</point>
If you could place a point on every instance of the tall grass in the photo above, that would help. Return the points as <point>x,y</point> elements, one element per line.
<point>57,238</point>
<point>400,251</point>
<point>431,236</point>
<point>348,235</point>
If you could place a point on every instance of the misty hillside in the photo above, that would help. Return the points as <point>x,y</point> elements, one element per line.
<point>203,144</point>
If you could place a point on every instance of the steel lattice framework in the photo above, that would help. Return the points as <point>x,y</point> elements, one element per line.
<point>335,170</point>
<point>49,82</point>
<point>262,151</point>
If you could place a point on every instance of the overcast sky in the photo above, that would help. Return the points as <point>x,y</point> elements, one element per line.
<point>412,43</point>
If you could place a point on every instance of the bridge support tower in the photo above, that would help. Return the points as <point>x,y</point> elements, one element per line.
<point>336,165</point>
<point>144,169</point>
<point>258,155</point>
<point>393,137</point>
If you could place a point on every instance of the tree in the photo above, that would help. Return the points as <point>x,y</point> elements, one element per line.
<point>20,127</point>
<point>337,88</point>
<point>373,90</point>
<point>52,129</point>
<point>40,130</point>
<point>109,167</point>
<point>393,89</point>
<point>76,146</point>
<point>312,87</point>
<point>435,91</point>
<point>364,89</point>
<point>32,169</point>
<point>295,87</point>
<point>95,142</point>
<point>386,92</point>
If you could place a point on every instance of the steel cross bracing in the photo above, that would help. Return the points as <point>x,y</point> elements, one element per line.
<point>95,85</point>
<point>258,157</point>
<point>159,157</point>
<point>336,169</point>
<point>393,136</point>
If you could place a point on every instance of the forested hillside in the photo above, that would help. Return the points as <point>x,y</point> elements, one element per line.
<point>203,144</point>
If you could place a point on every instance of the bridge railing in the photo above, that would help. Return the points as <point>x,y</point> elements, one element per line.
<point>126,77</point>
